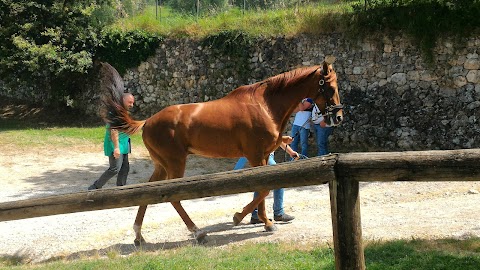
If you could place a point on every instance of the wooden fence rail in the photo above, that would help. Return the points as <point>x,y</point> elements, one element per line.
<point>342,171</point>
<point>308,172</point>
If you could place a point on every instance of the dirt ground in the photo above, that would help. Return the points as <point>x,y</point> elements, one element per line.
<point>389,210</point>
<point>397,210</point>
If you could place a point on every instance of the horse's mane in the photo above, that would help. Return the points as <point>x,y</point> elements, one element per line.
<point>276,82</point>
<point>288,78</point>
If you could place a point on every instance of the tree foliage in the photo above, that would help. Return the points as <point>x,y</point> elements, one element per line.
<point>126,49</point>
<point>51,44</point>
<point>43,42</point>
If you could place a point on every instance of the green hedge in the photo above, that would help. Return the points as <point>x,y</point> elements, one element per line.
<point>125,50</point>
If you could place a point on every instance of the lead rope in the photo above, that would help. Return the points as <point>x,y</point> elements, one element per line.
<point>287,157</point>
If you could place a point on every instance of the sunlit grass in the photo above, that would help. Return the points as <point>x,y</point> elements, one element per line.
<point>59,137</point>
<point>288,21</point>
<point>424,254</point>
<point>443,254</point>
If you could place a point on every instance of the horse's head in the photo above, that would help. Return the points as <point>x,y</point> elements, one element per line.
<point>328,98</point>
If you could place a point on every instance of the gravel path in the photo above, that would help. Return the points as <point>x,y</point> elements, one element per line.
<point>389,210</point>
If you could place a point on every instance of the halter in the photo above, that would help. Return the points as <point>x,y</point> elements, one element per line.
<point>330,110</point>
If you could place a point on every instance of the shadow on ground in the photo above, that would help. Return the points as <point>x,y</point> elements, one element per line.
<point>227,234</point>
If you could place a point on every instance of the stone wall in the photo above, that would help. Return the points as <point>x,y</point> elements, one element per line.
<point>393,99</point>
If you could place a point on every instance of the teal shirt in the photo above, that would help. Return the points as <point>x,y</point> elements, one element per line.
<point>123,143</point>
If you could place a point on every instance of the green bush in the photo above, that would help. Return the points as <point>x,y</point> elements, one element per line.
<point>233,43</point>
<point>43,43</point>
<point>50,45</point>
<point>124,50</point>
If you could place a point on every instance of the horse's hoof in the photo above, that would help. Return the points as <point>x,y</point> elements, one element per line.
<point>139,242</point>
<point>200,236</point>
<point>202,240</point>
<point>271,228</point>
<point>237,219</point>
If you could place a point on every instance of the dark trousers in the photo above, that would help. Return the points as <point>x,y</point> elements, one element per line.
<point>119,167</point>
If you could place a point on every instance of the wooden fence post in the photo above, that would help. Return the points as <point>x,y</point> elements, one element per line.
<point>346,224</point>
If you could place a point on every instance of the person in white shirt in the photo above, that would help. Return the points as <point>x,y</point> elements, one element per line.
<point>301,125</point>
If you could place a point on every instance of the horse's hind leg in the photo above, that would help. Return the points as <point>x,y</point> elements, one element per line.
<point>137,226</point>
<point>158,174</point>
<point>198,233</point>
<point>257,202</point>
<point>176,169</point>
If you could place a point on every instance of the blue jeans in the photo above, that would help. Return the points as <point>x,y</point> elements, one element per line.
<point>277,193</point>
<point>300,135</point>
<point>322,134</point>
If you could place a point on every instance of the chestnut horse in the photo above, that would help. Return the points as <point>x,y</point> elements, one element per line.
<point>248,122</point>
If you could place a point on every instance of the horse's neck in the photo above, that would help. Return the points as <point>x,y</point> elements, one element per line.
<point>284,104</point>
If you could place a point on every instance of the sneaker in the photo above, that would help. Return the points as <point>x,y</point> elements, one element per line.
<point>284,218</point>
<point>256,220</point>
<point>92,187</point>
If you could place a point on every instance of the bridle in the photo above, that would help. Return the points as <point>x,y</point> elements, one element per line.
<point>330,109</point>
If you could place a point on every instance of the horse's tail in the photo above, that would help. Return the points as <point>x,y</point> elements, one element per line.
<point>112,110</point>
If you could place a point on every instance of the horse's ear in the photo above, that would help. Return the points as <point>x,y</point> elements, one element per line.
<point>330,59</point>
<point>325,68</point>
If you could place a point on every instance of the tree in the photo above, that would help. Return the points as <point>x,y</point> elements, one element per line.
<point>46,43</point>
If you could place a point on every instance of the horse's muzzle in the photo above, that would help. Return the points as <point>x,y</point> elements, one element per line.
<point>339,119</point>
<point>334,120</point>
<point>335,114</point>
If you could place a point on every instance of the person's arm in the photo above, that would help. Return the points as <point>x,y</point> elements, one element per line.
<point>298,108</point>
<point>289,150</point>
<point>114,138</point>
<point>287,139</point>
<point>323,124</point>
<point>302,106</point>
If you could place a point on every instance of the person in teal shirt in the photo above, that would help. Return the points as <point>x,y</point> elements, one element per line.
<point>116,145</point>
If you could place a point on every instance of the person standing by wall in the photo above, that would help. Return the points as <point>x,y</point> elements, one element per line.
<point>278,211</point>
<point>301,125</point>
<point>116,146</point>
<point>322,131</point>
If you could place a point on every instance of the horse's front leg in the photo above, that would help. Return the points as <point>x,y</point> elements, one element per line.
<point>198,233</point>
<point>262,215</point>
<point>238,217</point>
